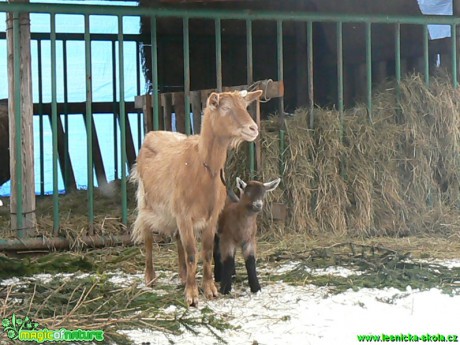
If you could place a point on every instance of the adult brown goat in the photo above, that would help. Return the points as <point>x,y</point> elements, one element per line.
<point>237,226</point>
<point>180,185</point>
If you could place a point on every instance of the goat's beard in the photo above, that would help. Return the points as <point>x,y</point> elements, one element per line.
<point>236,142</point>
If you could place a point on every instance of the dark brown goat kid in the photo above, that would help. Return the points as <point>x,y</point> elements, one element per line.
<point>237,227</point>
<point>180,190</point>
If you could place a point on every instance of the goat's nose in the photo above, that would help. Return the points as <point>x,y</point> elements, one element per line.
<point>254,128</point>
<point>258,204</point>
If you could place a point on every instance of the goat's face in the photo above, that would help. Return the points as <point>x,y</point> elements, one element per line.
<point>252,193</point>
<point>229,116</point>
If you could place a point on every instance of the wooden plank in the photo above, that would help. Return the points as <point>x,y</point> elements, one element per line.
<point>97,156</point>
<point>179,110</point>
<point>166,102</point>
<point>63,153</point>
<point>148,113</point>
<point>195,100</point>
<point>130,149</point>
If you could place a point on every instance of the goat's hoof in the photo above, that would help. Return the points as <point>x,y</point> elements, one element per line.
<point>255,289</point>
<point>191,296</point>
<point>225,290</point>
<point>210,290</point>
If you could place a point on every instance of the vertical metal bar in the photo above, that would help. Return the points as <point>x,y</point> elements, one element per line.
<point>89,128</point>
<point>250,80</point>
<point>454,55</point>
<point>340,74</point>
<point>40,117</point>
<point>280,63</point>
<point>426,58</point>
<point>115,111</point>
<point>54,120</point>
<point>124,200</point>
<point>311,95</point>
<point>138,92</point>
<point>369,68</point>
<point>218,34</point>
<point>398,53</point>
<point>186,40</point>
<point>66,118</point>
<point>18,124</point>
<point>155,101</point>
<point>249,60</point>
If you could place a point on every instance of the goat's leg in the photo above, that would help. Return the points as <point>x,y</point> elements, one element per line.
<point>187,238</point>
<point>217,259</point>
<point>209,287</point>
<point>228,266</point>
<point>227,251</point>
<point>181,256</point>
<point>149,270</point>
<point>249,249</point>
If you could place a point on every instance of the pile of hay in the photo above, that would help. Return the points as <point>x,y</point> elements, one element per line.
<point>394,174</point>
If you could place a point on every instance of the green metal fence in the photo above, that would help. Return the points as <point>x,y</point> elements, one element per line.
<point>217,16</point>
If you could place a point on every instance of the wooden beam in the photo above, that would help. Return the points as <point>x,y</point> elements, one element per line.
<point>195,100</point>
<point>26,216</point>
<point>63,154</point>
<point>179,110</point>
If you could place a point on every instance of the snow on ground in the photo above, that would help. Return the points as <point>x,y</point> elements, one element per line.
<point>284,314</point>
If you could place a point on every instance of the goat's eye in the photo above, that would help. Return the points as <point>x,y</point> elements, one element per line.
<point>225,108</point>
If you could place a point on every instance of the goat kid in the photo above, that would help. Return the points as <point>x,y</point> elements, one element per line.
<point>237,226</point>
<point>180,189</point>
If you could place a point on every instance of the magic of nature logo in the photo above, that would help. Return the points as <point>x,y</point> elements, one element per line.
<point>26,329</point>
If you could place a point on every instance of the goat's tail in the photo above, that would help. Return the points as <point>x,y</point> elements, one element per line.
<point>138,228</point>
<point>134,174</point>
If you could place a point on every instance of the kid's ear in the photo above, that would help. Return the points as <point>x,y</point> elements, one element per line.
<point>241,185</point>
<point>269,186</point>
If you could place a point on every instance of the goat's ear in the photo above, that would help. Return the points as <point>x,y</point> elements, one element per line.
<point>269,186</point>
<point>249,97</point>
<point>241,185</point>
<point>213,101</point>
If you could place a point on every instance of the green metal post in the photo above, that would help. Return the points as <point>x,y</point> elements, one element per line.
<point>426,57</point>
<point>89,128</point>
<point>454,56</point>
<point>186,38</point>
<point>54,120</point>
<point>311,96</point>
<point>249,60</point>
<point>218,34</point>
<point>40,118</point>
<point>250,80</point>
<point>124,199</point>
<point>369,68</point>
<point>116,111</point>
<point>282,146</point>
<point>340,75</point>
<point>66,119</point>
<point>280,63</point>
<point>138,92</point>
<point>154,47</point>
<point>398,54</point>
<point>18,123</point>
